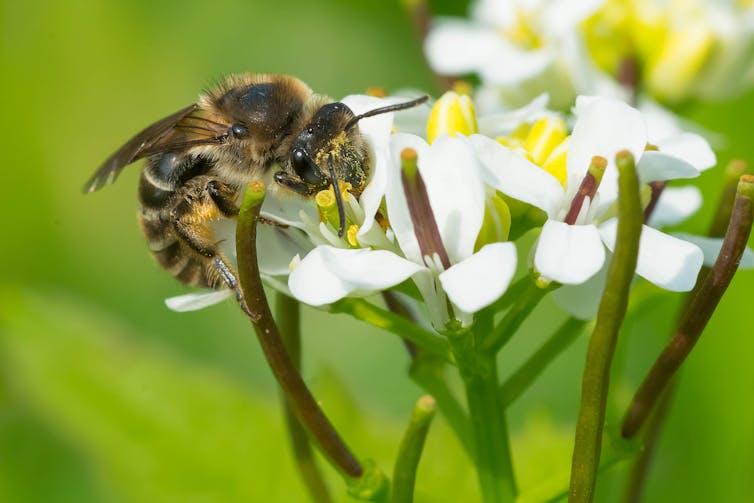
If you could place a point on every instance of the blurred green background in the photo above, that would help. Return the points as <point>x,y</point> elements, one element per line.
<point>105,395</point>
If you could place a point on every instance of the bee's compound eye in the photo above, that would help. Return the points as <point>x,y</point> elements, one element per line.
<point>303,166</point>
<point>239,130</point>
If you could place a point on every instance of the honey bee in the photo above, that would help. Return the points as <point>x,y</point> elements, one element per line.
<point>199,159</point>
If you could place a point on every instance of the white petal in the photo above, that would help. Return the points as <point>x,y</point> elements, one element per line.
<point>659,166</point>
<point>285,207</point>
<point>482,278</point>
<point>371,198</point>
<point>690,147</point>
<point>676,204</point>
<point>517,177</point>
<point>666,261</point>
<point>448,42</point>
<point>451,173</point>
<point>603,127</point>
<point>196,301</point>
<point>507,65</point>
<point>494,12</point>
<point>583,301</point>
<point>276,247</point>
<point>376,128</point>
<point>569,254</point>
<point>661,123</point>
<point>711,249</point>
<point>562,17</point>
<point>506,121</point>
<point>328,274</point>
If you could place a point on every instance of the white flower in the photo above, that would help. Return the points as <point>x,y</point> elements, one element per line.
<point>518,47</point>
<point>682,48</point>
<point>573,252</point>
<point>456,194</point>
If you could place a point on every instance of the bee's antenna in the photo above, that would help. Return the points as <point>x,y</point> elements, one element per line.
<point>338,198</point>
<point>383,110</point>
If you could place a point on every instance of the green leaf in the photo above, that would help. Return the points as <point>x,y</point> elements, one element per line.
<point>153,427</point>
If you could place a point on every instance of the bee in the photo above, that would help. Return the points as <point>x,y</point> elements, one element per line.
<point>199,159</point>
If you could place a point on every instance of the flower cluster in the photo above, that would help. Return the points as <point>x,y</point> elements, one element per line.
<point>677,49</point>
<point>442,214</point>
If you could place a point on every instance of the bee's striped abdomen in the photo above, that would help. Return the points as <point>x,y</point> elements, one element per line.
<point>162,187</point>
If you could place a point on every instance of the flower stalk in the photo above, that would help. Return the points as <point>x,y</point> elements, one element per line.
<point>288,315</point>
<point>656,421</point>
<point>295,390</point>
<point>516,315</point>
<point>410,451</point>
<point>478,369</point>
<point>612,310</point>
<point>381,318</point>
<point>699,310</point>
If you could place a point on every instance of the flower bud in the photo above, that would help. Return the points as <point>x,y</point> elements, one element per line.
<point>452,114</point>
<point>545,135</point>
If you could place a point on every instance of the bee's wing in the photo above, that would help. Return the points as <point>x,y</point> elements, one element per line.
<point>171,133</point>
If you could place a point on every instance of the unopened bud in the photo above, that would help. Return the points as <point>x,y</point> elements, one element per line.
<point>452,114</point>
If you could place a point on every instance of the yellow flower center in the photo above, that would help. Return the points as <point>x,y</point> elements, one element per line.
<point>522,33</point>
<point>671,41</point>
<point>545,143</point>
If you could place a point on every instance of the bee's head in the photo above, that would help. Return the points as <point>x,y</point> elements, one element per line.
<point>330,149</point>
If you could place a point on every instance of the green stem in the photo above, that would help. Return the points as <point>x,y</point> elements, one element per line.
<point>289,322</point>
<point>478,370</point>
<point>410,451</point>
<point>640,468</point>
<point>699,310</point>
<point>429,374</point>
<point>428,371</point>
<point>296,392</point>
<point>520,311</point>
<point>612,310</point>
<point>382,318</point>
<point>523,378</point>
<point>514,291</point>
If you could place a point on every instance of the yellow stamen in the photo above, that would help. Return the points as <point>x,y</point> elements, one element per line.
<point>327,206</point>
<point>353,229</point>
<point>462,88</point>
<point>376,91</point>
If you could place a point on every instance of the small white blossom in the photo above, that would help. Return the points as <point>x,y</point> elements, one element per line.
<point>519,48</point>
